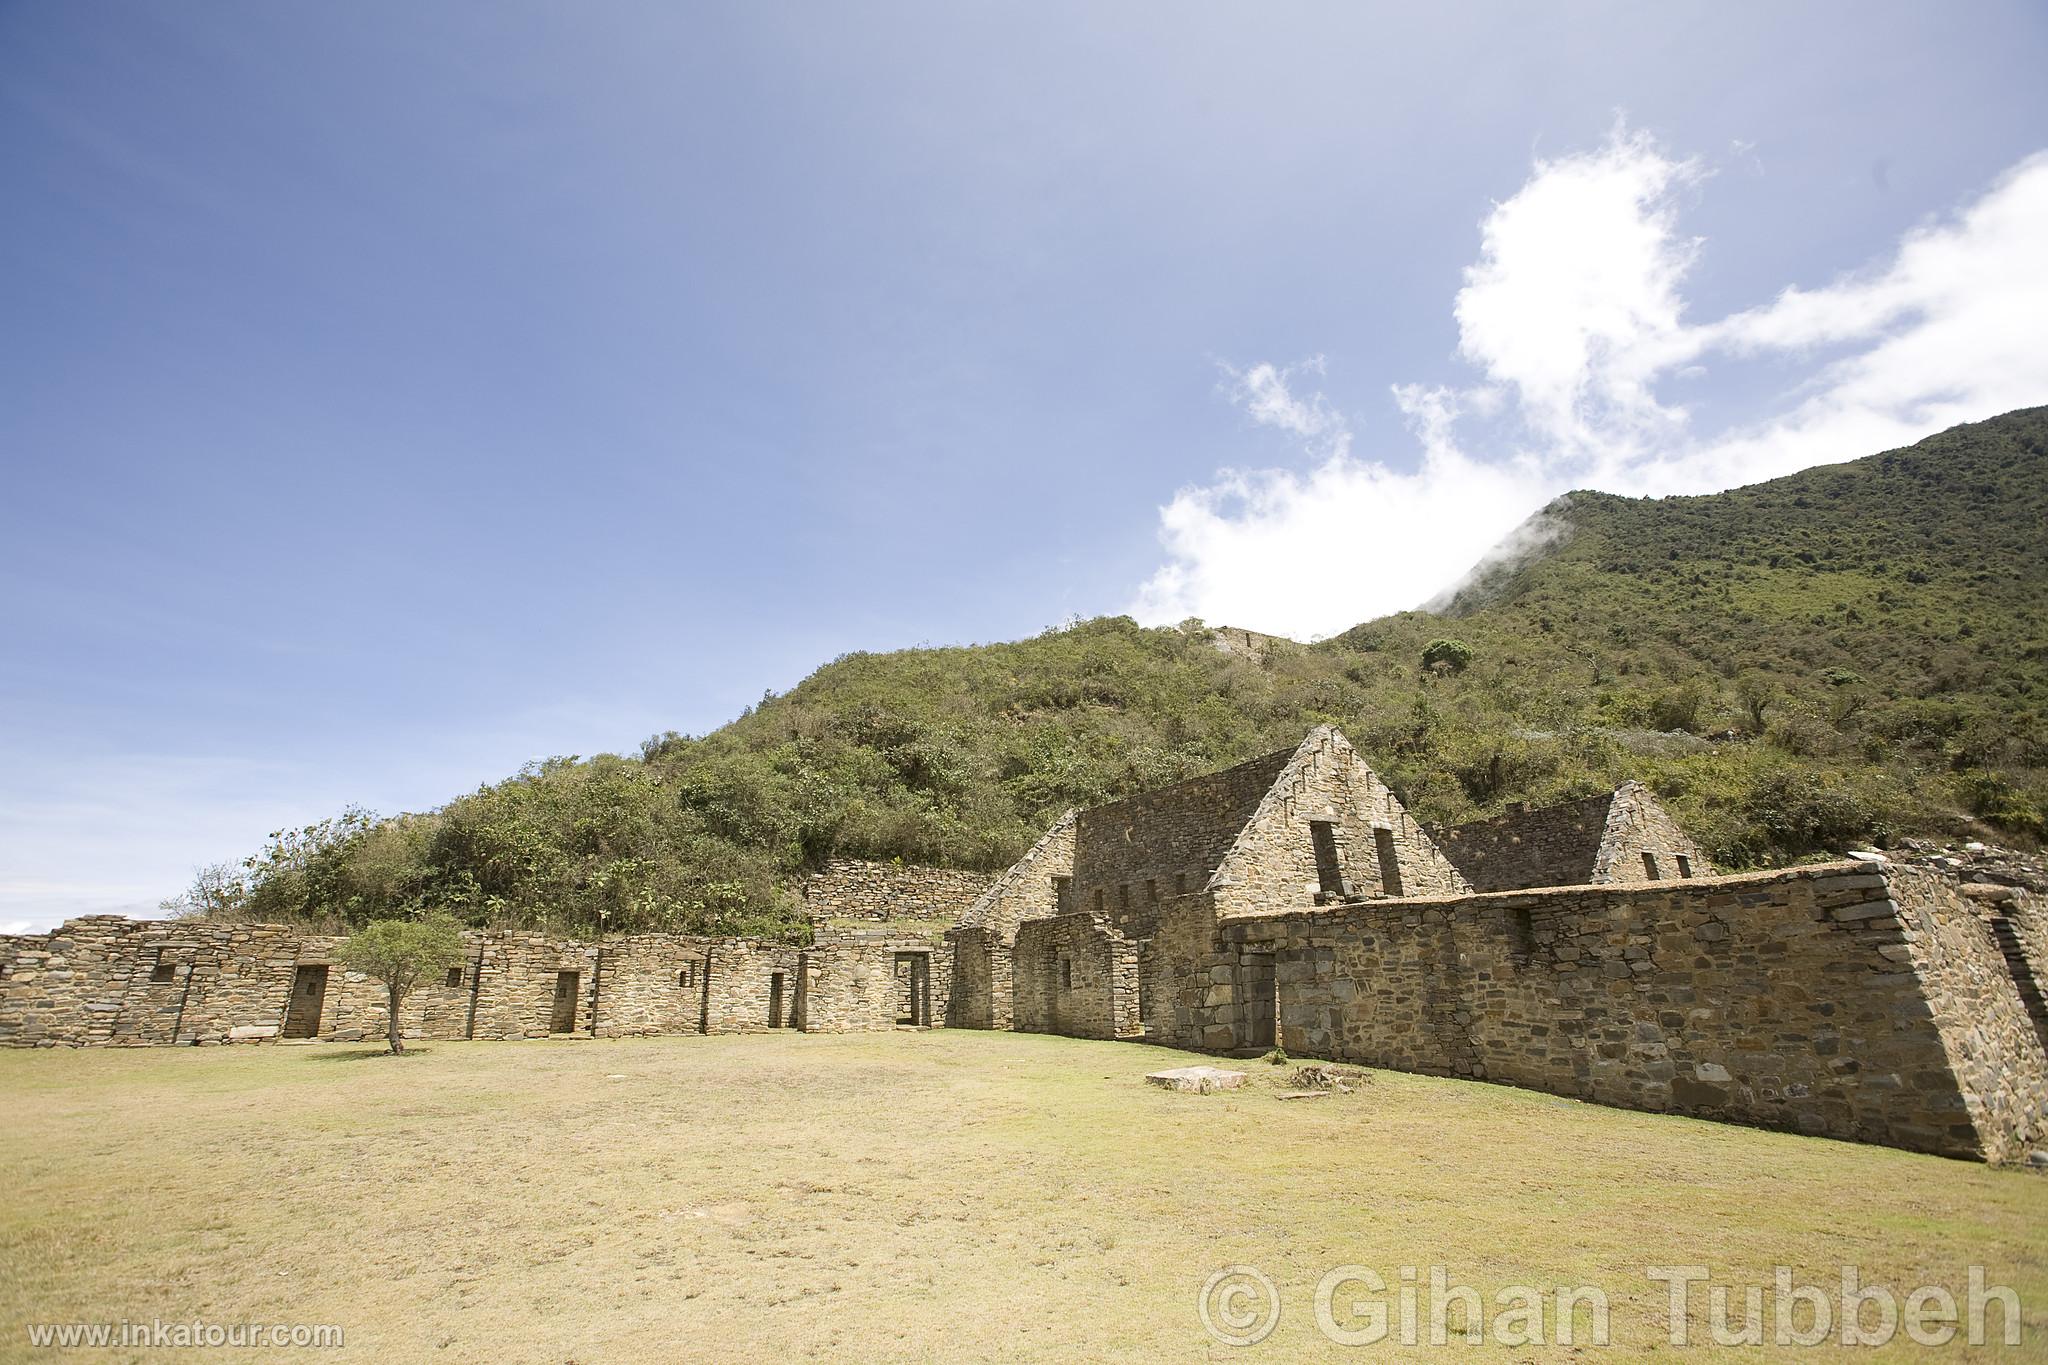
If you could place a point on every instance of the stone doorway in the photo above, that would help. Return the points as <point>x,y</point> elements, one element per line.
<point>309,993</point>
<point>914,989</point>
<point>563,1019</point>
<point>1258,1005</point>
<point>775,1000</point>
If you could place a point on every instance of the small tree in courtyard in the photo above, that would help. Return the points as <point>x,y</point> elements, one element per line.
<point>401,953</point>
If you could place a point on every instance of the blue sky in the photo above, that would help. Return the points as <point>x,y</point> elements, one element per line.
<point>391,394</point>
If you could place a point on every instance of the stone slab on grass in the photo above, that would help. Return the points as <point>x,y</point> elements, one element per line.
<point>1198,1079</point>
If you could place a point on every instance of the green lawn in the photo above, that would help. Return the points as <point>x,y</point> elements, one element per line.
<point>940,1195</point>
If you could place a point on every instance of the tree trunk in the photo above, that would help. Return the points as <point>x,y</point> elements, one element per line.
<point>397,1043</point>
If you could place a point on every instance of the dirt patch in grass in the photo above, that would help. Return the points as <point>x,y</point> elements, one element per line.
<point>944,1194</point>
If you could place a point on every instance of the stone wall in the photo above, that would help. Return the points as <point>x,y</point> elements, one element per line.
<point>740,993</point>
<point>864,985</point>
<point>107,980</point>
<point>1191,977</point>
<point>1272,862</point>
<point>1597,840</point>
<point>1639,828</point>
<point>848,888</point>
<point>651,984</point>
<point>104,980</point>
<point>512,985</point>
<point>1132,854</point>
<point>2019,925</point>
<point>1076,975</point>
<point>1029,889</point>
<point>1522,848</point>
<point>980,970</point>
<point>981,994</point>
<point>1994,1046</point>
<point>1824,1000</point>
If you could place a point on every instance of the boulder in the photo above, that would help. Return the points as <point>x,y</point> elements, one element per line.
<point>1197,1079</point>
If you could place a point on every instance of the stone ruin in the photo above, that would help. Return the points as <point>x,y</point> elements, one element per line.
<point>874,962</point>
<point>1587,950</point>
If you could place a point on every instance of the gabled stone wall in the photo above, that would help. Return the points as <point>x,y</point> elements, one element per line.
<point>1132,854</point>
<point>1028,890</point>
<point>1272,862</point>
<point>1638,827</point>
<point>980,968</point>
<point>1593,841</point>
<point>1522,848</point>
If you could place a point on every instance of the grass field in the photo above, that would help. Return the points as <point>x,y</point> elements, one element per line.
<point>940,1195</point>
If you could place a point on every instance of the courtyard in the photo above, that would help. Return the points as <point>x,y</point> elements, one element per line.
<point>946,1194</point>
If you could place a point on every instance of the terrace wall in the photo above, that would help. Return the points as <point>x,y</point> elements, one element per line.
<point>849,888</point>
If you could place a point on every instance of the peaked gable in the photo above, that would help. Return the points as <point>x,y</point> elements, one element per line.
<point>1643,842</point>
<point>1592,841</point>
<point>1028,889</point>
<point>1379,850</point>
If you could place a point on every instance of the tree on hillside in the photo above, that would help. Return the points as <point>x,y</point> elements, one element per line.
<point>1447,656</point>
<point>402,953</point>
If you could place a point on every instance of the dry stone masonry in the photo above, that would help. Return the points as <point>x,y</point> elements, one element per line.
<point>1587,950</point>
<point>848,888</point>
<point>1617,836</point>
<point>1602,957</point>
<point>108,980</point>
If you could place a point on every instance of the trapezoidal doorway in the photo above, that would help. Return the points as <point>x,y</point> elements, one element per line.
<point>563,1019</point>
<point>309,993</point>
<point>1260,1003</point>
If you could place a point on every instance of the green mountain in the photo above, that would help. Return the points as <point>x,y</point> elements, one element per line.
<point>1853,653</point>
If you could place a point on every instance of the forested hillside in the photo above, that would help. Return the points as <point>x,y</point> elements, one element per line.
<point>1852,653</point>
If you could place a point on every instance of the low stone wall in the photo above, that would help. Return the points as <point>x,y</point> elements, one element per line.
<point>648,984</point>
<point>1840,1000</point>
<point>848,888</point>
<point>104,980</point>
<point>859,986</point>
<point>983,991</point>
<point>1074,974</point>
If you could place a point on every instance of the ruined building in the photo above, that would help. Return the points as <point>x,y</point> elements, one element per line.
<point>877,960</point>
<point>1617,836</point>
<point>1587,950</point>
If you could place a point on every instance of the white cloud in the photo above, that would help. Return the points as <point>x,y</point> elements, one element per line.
<point>1264,393</point>
<point>1572,317</point>
<point>1574,300</point>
